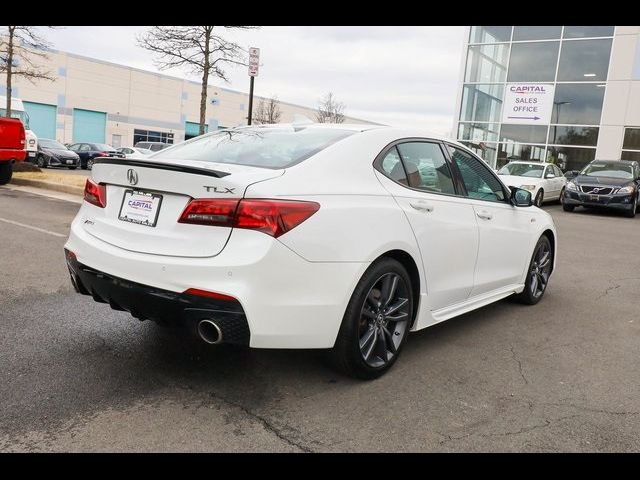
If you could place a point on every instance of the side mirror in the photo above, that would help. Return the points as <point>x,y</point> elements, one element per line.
<point>571,174</point>
<point>520,197</point>
<point>550,175</point>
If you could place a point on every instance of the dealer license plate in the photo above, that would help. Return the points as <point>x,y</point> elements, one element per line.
<point>140,207</point>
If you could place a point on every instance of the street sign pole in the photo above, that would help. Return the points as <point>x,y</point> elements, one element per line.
<point>250,100</point>
<point>254,62</point>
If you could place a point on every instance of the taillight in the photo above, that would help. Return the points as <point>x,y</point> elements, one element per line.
<point>207,293</point>
<point>273,217</point>
<point>95,193</point>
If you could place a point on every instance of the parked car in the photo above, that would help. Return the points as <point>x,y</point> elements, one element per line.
<point>153,146</point>
<point>88,152</point>
<point>12,147</point>
<point>135,152</point>
<point>612,184</point>
<point>308,236</point>
<point>54,154</point>
<point>545,181</point>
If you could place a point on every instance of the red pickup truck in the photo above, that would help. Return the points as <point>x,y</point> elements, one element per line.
<point>12,147</point>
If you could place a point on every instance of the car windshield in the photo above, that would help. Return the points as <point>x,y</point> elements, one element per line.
<point>52,144</point>
<point>522,170</point>
<point>279,147</point>
<point>103,146</point>
<point>613,170</point>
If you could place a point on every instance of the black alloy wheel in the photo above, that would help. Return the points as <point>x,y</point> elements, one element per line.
<point>376,322</point>
<point>538,273</point>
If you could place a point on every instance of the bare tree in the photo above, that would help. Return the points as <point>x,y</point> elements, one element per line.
<point>198,48</point>
<point>268,111</point>
<point>21,48</point>
<point>330,110</point>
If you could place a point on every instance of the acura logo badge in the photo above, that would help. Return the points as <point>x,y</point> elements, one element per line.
<point>132,176</point>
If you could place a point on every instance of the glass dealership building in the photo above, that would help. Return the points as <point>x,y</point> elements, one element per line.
<point>585,80</point>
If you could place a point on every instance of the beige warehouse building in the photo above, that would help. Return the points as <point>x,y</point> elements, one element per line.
<point>97,101</point>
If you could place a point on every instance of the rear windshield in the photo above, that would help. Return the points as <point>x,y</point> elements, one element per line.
<point>522,170</point>
<point>257,147</point>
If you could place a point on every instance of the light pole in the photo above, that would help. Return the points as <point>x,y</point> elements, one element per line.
<point>558,105</point>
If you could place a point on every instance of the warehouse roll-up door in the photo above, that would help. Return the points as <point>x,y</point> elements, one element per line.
<point>42,119</point>
<point>89,126</point>
<point>192,129</point>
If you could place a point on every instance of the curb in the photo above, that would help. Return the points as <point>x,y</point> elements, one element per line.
<point>48,185</point>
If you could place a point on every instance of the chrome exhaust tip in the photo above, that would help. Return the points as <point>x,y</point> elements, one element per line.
<point>209,332</point>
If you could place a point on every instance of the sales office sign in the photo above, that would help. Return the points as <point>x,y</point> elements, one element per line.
<point>528,103</point>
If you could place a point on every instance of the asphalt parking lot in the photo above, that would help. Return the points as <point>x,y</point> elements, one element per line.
<point>559,376</point>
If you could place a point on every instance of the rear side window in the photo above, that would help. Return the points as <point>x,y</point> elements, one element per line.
<point>426,167</point>
<point>478,180</point>
<point>279,147</point>
<point>392,166</point>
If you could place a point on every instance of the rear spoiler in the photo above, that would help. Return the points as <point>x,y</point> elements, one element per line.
<point>161,166</point>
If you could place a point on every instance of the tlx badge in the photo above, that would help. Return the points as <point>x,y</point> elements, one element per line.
<point>220,189</point>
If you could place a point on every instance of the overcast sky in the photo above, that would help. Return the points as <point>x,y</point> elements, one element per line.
<point>403,76</point>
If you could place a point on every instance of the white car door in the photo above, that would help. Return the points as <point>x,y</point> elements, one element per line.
<point>551,184</point>
<point>505,230</point>
<point>418,175</point>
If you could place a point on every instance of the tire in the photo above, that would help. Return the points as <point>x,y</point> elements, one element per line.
<point>6,172</point>
<point>561,198</point>
<point>568,208</point>
<point>40,162</point>
<point>632,211</point>
<point>539,197</point>
<point>89,164</point>
<point>538,273</point>
<point>371,338</point>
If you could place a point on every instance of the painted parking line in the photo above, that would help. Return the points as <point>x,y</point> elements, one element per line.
<point>37,229</point>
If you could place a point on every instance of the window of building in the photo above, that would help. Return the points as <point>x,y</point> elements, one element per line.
<point>151,136</point>
<point>570,158</point>
<point>573,135</point>
<point>589,31</point>
<point>508,152</point>
<point>584,60</point>
<point>533,62</point>
<point>523,133</point>
<point>482,103</point>
<point>487,63</point>
<point>426,167</point>
<point>479,182</point>
<point>478,131</point>
<point>631,144</point>
<point>577,104</point>
<point>536,33</point>
<point>490,34</point>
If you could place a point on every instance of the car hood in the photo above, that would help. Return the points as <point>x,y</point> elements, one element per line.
<point>588,180</point>
<point>60,153</point>
<point>516,181</point>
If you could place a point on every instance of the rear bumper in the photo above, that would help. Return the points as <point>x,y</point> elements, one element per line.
<point>8,155</point>
<point>162,306</point>
<point>288,302</point>
<point>618,202</point>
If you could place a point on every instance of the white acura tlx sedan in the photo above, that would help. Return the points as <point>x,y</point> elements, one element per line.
<point>339,237</point>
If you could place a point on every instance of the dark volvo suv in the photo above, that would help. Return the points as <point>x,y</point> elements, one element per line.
<point>610,184</point>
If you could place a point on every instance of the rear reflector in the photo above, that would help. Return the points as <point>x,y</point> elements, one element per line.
<point>273,217</point>
<point>95,193</point>
<point>206,293</point>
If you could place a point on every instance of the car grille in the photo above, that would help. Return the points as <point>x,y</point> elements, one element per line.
<point>596,189</point>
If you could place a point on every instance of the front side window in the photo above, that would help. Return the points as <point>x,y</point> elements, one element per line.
<point>426,167</point>
<point>478,180</point>
<point>85,148</point>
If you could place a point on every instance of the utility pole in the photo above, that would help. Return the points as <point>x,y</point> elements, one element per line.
<point>254,61</point>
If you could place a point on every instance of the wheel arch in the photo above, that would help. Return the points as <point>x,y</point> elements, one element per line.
<point>408,262</point>
<point>552,239</point>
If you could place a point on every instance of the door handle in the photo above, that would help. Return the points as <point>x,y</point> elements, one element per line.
<point>422,207</point>
<point>484,215</point>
